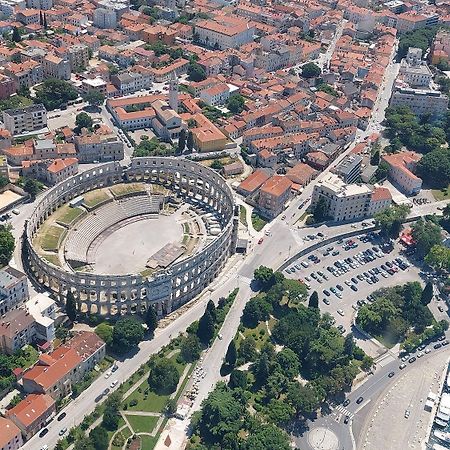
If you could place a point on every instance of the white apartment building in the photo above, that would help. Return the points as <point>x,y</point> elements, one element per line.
<point>105,18</point>
<point>224,32</point>
<point>25,120</point>
<point>216,95</point>
<point>13,289</point>
<point>345,201</point>
<point>420,101</point>
<point>43,310</point>
<point>134,80</point>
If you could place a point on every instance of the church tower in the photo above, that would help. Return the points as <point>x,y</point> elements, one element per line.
<point>173,92</point>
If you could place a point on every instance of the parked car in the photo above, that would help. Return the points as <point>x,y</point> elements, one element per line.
<point>61,416</point>
<point>359,400</point>
<point>43,432</point>
<point>346,402</point>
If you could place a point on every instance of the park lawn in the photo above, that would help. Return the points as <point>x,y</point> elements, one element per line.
<point>54,259</point>
<point>50,237</point>
<point>258,222</point>
<point>31,356</point>
<point>259,338</point>
<point>148,442</point>
<point>441,194</point>
<point>122,189</point>
<point>111,433</point>
<point>153,402</point>
<point>66,214</point>
<point>142,424</point>
<point>243,215</point>
<point>94,198</point>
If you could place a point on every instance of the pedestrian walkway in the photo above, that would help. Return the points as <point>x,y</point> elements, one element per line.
<point>342,410</point>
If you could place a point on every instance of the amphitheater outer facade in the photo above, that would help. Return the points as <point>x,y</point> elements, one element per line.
<point>167,289</point>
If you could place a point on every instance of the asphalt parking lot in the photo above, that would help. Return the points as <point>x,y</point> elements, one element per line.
<point>340,299</point>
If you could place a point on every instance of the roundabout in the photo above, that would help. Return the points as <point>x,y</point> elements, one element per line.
<point>122,238</point>
<point>321,438</point>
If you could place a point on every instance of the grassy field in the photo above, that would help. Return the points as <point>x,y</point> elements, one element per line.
<point>224,161</point>
<point>126,188</point>
<point>50,237</point>
<point>243,215</point>
<point>259,334</point>
<point>54,259</point>
<point>94,198</point>
<point>142,424</point>
<point>150,402</point>
<point>258,222</point>
<point>66,215</point>
<point>126,433</point>
<point>441,194</point>
<point>148,442</point>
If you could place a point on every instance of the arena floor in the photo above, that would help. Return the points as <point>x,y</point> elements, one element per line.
<point>127,249</point>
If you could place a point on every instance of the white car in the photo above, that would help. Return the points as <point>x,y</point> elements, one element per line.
<point>108,374</point>
<point>348,282</point>
<point>427,350</point>
<point>114,383</point>
<point>340,312</point>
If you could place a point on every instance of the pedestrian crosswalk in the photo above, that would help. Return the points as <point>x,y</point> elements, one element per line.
<point>340,409</point>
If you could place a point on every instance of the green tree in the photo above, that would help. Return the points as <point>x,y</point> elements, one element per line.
<point>205,331</point>
<point>268,437</point>
<point>382,171</point>
<point>3,181</point>
<point>164,377</point>
<point>427,294</point>
<point>216,165</point>
<point>314,300</point>
<point>53,93</point>
<point>182,141</point>
<point>434,168</point>
<point>303,399</point>
<point>375,158</point>
<point>256,310</point>
<point>105,331</point>
<point>99,438</point>
<point>320,210</point>
<point>231,355</point>
<point>171,406</point>
<point>211,308</point>
<point>235,103</point>
<point>94,97</point>
<point>295,290</point>
<point>32,187</point>
<point>439,257</point>
<point>279,411</point>
<point>151,319</point>
<point>71,306</point>
<point>83,120</point>
<point>190,348</point>
<point>83,443</point>
<point>196,72</point>
<point>264,275</point>
<point>238,379</point>
<point>7,244</point>
<point>190,141</point>
<point>311,70</point>
<point>288,362</point>
<point>127,333</point>
<point>221,414</point>
<point>390,220</point>
<point>247,349</point>
<point>16,35</point>
<point>111,413</point>
<point>426,234</point>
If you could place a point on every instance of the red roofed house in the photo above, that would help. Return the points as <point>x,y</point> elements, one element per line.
<point>266,158</point>
<point>380,200</point>
<point>253,182</point>
<point>273,196</point>
<point>32,413</point>
<point>401,166</point>
<point>51,171</point>
<point>10,437</point>
<point>301,174</point>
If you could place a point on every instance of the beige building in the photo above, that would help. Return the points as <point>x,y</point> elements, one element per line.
<point>25,120</point>
<point>10,437</point>
<point>401,167</point>
<point>17,329</point>
<point>273,196</point>
<point>56,67</point>
<point>51,171</point>
<point>103,145</point>
<point>344,201</point>
<point>78,57</point>
<point>224,32</point>
<point>32,413</point>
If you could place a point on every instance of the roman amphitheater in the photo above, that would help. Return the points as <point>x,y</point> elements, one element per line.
<point>121,238</point>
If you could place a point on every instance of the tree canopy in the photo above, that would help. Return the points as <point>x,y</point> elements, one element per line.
<point>426,234</point>
<point>311,70</point>
<point>196,72</point>
<point>390,220</point>
<point>53,93</point>
<point>7,244</point>
<point>235,103</point>
<point>94,97</point>
<point>83,120</point>
<point>164,376</point>
<point>127,333</point>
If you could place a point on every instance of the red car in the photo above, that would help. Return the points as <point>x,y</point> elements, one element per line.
<point>260,241</point>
